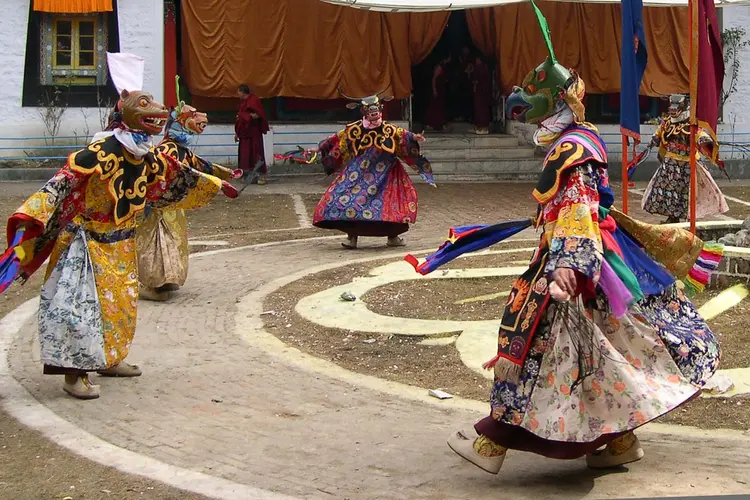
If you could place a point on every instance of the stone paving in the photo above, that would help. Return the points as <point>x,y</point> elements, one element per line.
<point>220,397</point>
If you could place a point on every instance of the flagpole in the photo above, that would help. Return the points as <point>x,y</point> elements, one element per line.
<point>693,124</point>
<point>625,174</point>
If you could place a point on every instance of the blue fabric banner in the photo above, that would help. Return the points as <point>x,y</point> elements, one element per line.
<point>633,60</point>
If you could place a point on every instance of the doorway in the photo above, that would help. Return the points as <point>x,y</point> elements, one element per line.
<point>450,64</point>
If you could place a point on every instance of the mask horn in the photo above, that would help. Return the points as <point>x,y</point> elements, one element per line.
<point>660,94</point>
<point>346,96</point>
<point>545,32</point>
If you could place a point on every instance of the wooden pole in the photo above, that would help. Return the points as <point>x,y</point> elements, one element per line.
<point>693,193</point>
<point>693,125</point>
<point>624,174</point>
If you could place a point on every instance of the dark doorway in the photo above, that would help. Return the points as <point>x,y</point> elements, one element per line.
<point>454,54</point>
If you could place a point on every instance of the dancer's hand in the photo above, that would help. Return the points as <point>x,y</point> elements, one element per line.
<point>557,293</point>
<point>236,139</point>
<point>419,137</point>
<point>312,151</point>
<point>229,190</point>
<point>565,279</point>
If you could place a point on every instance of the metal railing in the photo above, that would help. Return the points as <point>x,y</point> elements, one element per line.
<point>610,138</point>
<point>81,141</point>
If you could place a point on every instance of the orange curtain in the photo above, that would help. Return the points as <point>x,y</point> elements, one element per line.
<point>586,37</point>
<point>425,30</point>
<point>302,48</point>
<point>73,6</point>
<point>482,29</point>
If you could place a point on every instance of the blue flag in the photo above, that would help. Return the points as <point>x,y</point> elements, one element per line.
<point>634,59</point>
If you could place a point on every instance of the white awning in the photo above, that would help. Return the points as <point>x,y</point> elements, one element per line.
<point>436,5</point>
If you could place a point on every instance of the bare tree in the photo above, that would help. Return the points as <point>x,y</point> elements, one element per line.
<point>51,110</point>
<point>104,107</point>
<point>733,43</point>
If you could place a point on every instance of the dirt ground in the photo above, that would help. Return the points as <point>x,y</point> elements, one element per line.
<point>737,210</point>
<point>32,468</point>
<point>403,359</point>
<point>258,212</point>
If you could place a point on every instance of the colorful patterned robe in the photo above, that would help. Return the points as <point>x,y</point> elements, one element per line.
<point>668,192</point>
<point>372,194</point>
<point>162,237</point>
<point>570,377</point>
<point>84,220</point>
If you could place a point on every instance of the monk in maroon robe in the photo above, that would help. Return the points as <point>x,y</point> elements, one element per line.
<point>482,80</point>
<point>435,117</point>
<point>249,127</point>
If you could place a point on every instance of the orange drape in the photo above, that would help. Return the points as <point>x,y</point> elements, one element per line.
<point>586,37</point>
<point>302,48</point>
<point>73,6</point>
<point>482,29</point>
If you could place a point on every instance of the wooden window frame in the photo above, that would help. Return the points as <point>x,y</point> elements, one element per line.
<point>75,41</point>
<point>74,74</point>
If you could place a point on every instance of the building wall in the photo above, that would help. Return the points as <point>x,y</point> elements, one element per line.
<point>141,32</point>
<point>736,109</point>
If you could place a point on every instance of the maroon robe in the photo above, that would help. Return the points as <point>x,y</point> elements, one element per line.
<point>435,115</point>
<point>482,96</point>
<point>250,132</point>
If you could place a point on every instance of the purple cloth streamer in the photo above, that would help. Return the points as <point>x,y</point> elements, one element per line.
<point>617,293</point>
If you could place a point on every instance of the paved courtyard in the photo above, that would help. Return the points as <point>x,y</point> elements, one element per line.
<point>226,410</point>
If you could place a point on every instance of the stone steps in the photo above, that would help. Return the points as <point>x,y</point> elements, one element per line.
<point>494,154</point>
<point>470,157</point>
<point>468,141</point>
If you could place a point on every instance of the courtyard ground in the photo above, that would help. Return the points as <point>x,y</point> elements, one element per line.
<point>223,398</point>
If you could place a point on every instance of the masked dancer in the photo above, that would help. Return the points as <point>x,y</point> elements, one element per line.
<point>597,338</point>
<point>372,194</point>
<point>668,192</point>
<point>84,221</point>
<point>163,236</point>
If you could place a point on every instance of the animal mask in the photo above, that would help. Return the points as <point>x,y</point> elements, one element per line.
<point>678,103</point>
<point>545,88</point>
<point>371,107</point>
<point>191,119</point>
<point>141,112</point>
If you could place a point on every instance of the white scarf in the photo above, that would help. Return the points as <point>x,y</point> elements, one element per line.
<point>137,148</point>
<point>549,130</point>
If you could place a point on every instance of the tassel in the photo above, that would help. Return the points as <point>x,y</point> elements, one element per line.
<point>491,363</point>
<point>707,263</point>
<point>504,369</point>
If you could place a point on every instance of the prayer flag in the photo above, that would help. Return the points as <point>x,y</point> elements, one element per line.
<point>706,70</point>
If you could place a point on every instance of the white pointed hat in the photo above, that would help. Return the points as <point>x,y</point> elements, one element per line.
<point>126,71</point>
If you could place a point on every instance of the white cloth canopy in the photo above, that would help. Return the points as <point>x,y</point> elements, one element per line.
<point>126,70</point>
<point>435,5</point>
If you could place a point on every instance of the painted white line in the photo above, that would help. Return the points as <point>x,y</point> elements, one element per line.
<point>243,233</point>
<point>737,200</point>
<point>260,245</point>
<point>301,210</point>
<point>22,406</point>
<point>207,243</point>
